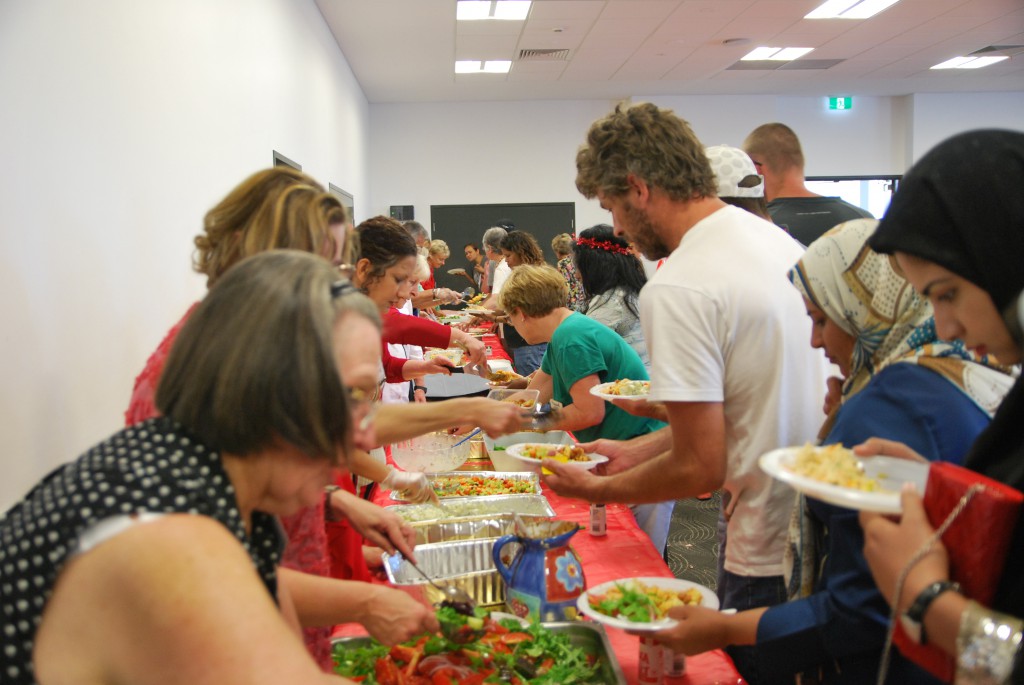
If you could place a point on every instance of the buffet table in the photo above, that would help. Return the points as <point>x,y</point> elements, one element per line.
<point>625,552</point>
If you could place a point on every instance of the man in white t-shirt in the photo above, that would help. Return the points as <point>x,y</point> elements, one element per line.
<point>729,342</point>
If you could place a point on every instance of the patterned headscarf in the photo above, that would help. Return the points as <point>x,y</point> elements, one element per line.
<point>862,293</point>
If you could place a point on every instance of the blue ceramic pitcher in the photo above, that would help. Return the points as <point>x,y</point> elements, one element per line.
<point>545,576</point>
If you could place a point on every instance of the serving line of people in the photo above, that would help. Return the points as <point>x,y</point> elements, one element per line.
<point>255,401</point>
<point>157,556</point>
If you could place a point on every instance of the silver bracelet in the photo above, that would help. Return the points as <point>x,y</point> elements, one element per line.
<point>986,645</point>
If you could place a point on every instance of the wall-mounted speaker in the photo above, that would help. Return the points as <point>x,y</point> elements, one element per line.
<point>402,212</point>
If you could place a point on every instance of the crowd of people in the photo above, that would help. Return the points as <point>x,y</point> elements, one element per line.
<point>232,508</point>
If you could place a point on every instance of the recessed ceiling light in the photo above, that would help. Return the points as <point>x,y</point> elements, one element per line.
<point>969,62</point>
<point>474,10</point>
<point>849,9</point>
<point>467,66</point>
<point>775,54</point>
<point>474,66</point>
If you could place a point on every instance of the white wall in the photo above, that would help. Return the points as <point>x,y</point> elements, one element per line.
<point>121,123</point>
<point>497,152</point>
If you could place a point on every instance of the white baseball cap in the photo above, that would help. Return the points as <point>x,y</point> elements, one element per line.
<point>731,165</point>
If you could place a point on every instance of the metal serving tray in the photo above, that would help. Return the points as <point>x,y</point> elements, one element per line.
<point>467,528</point>
<point>459,508</point>
<point>533,479</point>
<point>591,637</point>
<point>467,565</point>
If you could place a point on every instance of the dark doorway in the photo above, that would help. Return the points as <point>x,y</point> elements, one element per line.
<point>461,224</point>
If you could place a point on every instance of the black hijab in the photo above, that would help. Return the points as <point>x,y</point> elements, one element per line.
<point>962,207</point>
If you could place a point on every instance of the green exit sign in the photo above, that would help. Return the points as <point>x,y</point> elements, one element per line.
<point>840,103</point>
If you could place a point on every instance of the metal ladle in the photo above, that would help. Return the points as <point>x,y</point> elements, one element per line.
<point>456,598</point>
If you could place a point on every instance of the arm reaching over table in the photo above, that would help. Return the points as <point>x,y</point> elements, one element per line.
<point>695,464</point>
<point>389,615</point>
<point>378,525</point>
<point>625,454</point>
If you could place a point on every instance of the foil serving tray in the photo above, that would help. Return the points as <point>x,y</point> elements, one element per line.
<point>458,508</point>
<point>466,564</point>
<point>468,528</point>
<point>590,637</point>
<point>532,478</point>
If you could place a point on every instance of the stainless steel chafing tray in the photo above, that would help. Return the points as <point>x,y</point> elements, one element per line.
<point>459,508</point>
<point>531,478</point>
<point>467,565</point>
<point>590,637</point>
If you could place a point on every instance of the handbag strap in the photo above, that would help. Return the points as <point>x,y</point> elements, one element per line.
<point>883,666</point>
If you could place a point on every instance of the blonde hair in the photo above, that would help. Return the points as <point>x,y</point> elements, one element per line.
<point>255,363</point>
<point>439,248</point>
<point>422,270</point>
<point>562,244</point>
<point>278,208</point>
<point>534,289</point>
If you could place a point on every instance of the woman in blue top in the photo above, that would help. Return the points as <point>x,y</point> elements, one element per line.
<point>901,383</point>
<point>581,353</point>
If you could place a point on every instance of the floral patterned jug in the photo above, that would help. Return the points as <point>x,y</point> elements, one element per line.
<point>545,576</point>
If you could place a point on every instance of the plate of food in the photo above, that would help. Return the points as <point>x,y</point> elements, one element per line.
<point>622,389</point>
<point>457,271</point>
<point>642,604</point>
<point>835,475</point>
<point>529,455</point>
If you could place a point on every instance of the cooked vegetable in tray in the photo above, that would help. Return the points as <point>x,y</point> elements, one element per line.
<point>465,486</point>
<point>470,651</point>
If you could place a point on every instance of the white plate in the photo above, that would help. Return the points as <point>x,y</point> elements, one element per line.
<point>600,391</point>
<point>530,464</point>
<point>456,272</point>
<point>890,472</point>
<point>708,599</point>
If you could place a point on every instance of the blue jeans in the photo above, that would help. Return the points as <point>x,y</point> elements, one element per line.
<point>527,358</point>
<point>749,592</point>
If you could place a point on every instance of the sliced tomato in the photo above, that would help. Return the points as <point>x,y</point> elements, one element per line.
<point>387,672</point>
<point>404,654</point>
<point>515,638</point>
<point>545,666</point>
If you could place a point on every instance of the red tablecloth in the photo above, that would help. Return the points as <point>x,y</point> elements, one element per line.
<point>626,552</point>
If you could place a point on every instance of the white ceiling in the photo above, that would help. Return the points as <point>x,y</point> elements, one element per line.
<point>404,50</point>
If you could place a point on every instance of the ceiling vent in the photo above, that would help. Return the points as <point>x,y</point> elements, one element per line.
<point>552,55</point>
<point>775,65</point>
<point>997,50</point>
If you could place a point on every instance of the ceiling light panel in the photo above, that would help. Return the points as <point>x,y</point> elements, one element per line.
<point>775,54</point>
<point>849,9</point>
<point>969,62</point>
<point>478,10</point>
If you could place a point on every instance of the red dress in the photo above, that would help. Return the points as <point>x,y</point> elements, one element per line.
<point>307,538</point>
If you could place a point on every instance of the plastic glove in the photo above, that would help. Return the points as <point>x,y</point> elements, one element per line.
<point>415,486</point>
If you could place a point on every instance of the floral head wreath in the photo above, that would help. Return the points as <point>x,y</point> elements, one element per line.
<point>606,245</point>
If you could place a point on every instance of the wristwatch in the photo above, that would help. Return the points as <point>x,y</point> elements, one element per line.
<point>913,620</point>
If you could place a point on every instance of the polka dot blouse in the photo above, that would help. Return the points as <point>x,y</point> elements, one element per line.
<point>154,467</point>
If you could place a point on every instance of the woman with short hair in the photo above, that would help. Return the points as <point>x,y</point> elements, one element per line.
<point>154,557</point>
<point>562,245</point>
<point>581,354</point>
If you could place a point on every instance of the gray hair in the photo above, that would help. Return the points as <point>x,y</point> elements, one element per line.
<point>493,237</point>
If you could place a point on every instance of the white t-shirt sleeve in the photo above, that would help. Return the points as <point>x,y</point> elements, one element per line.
<point>501,274</point>
<point>687,341</point>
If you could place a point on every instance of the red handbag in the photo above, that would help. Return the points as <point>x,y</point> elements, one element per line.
<point>975,559</point>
